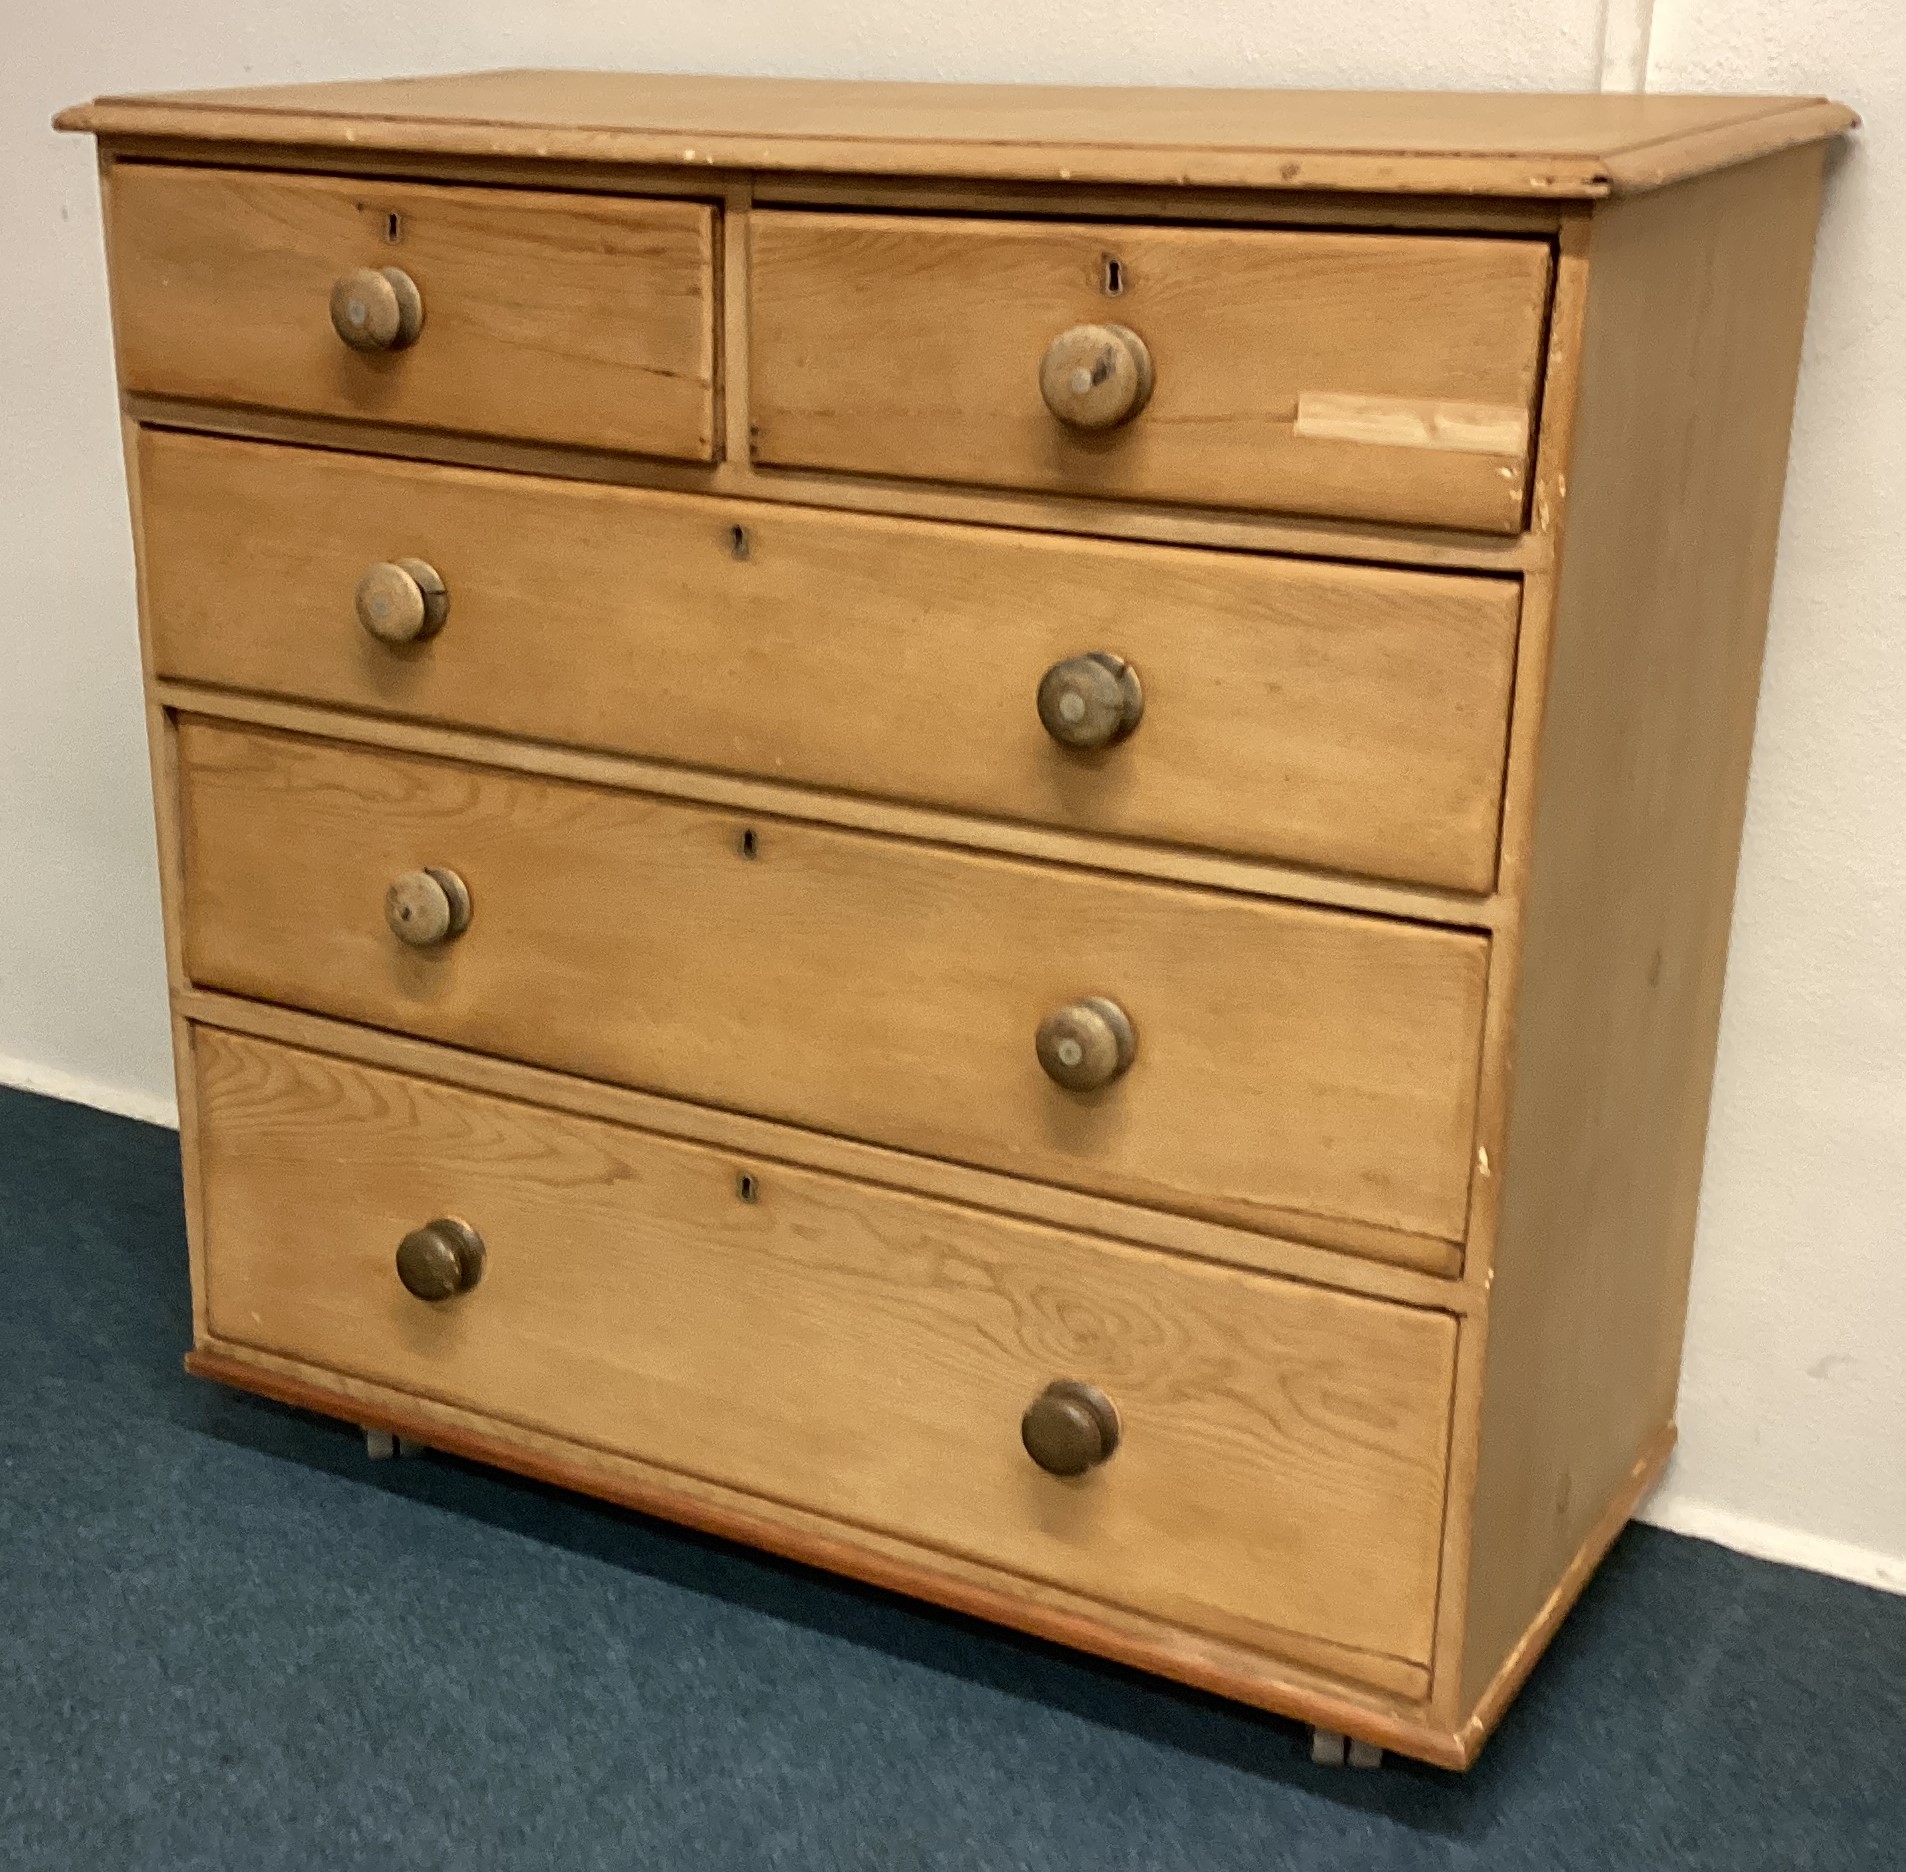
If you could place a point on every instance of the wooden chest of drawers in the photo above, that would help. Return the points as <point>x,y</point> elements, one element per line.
<point>987,835</point>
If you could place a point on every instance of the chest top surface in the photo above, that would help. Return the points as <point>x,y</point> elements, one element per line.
<point>1536,145</point>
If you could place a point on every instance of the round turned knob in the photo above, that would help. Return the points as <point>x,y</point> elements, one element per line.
<point>377,309</point>
<point>1096,376</point>
<point>1090,701</point>
<point>428,906</point>
<point>1069,1427</point>
<point>1086,1045</point>
<point>442,1258</point>
<point>402,601</point>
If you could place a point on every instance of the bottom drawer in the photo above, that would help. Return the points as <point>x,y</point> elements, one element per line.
<point>859,1352</point>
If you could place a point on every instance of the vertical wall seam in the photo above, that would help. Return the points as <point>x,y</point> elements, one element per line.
<point>1627,28</point>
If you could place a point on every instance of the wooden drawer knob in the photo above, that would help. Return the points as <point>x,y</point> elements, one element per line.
<point>442,1258</point>
<point>1069,1428</point>
<point>1086,1045</point>
<point>1090,701</point>
<point>402,601</point>
<point>427,907</point>
<point>377,309</point>
<point>1096,376</point>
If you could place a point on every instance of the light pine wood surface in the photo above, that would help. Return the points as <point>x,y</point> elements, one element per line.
<point>912,345</point>
<point>863,1352</point>
<point>1380,1700</point>
<point>1290,1060</point>
<point>1691,345</point>
<point>1231,529</point>
<point>1441,143</point>
<point>747,794</point>
<point>1339,716</point>
<point>556,318</point>
<point>1409,1268</point>
<point>1413,877</point>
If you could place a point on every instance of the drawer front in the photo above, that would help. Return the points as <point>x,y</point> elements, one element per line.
<point>1369,376</point>
<point>862,1353</point>
<point>556,318</point>
<point>1340,716</point>
<point>1290,1062</point>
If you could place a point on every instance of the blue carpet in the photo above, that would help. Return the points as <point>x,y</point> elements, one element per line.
<point>227,1640</point>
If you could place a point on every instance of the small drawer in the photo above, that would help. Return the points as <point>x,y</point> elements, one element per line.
<point>1347,717</point>
<point>585,319</point>
<point>1286,1063</point>
<point>1368,376</point>
<point>1276,1473</point>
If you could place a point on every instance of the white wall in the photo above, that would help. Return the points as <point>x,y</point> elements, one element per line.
<point>1795,1395</point>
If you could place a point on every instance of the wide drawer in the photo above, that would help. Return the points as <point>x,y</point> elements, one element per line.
<point>861,1353</point>
<point>1291,1063</point>
<point>1371,376</point>
<point>586,319</point>
<point>1340,716</point>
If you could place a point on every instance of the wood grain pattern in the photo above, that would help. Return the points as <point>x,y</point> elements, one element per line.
<point>1395,1203</point>
<point>1289,1060</point>
<point>1560,385</point>
<point>162,765</point>
<point>1697,298</point>
<point>1335,716</point>
<point>1409,1268</point>
<point>911,346</point>
<point>1408,142</point>
<point>732,258</point>
<point>1318,538</point>
<point>557,318</point>
<point>1305,1679</point>
<point>863,1353</point>
<point>1072,201</point>
<point>777,799</point>
<point>1097,201</point>
<point>1488,1709</point>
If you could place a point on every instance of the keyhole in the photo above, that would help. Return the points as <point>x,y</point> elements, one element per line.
<point>746,1187</point>
<point>1113,280</point>
<point>749,845</point>
<point>393,228</point>
<point>738,541</point>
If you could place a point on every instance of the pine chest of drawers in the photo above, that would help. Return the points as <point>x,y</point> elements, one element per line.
<point>987,835</point>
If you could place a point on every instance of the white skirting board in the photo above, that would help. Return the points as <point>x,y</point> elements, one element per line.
<point>1766,1540</point>
<point>148,1107</point>
<point>1666,1509</point>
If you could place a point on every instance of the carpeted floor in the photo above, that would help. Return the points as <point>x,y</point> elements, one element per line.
<point>227,1640</point>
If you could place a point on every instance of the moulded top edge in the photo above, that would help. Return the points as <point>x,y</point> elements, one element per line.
<point>1507,144</point>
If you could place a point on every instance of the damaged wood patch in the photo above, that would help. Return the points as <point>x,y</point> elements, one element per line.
<point>1413,422</point>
